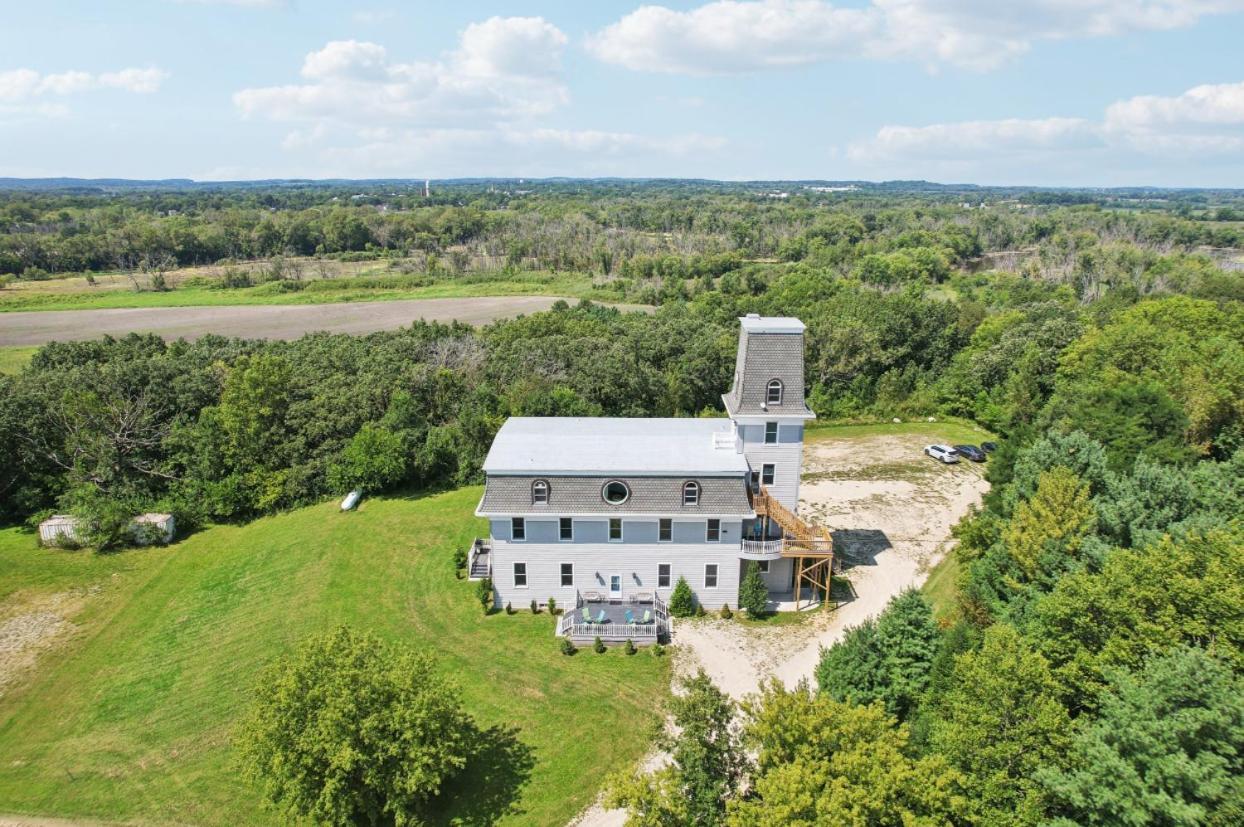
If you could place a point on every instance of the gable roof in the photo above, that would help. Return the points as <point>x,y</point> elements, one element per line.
<point>612,446</point>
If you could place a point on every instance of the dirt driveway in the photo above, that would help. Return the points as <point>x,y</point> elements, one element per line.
<point>891,510</point>
<point>269,321</point>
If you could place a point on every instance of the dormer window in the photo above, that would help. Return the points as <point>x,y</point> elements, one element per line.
<point>773,395</point>
<point>540,492</point>
<point>615,492</point>
<point>691,493</point>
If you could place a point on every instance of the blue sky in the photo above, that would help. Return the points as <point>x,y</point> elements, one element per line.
<point>1047,92</point>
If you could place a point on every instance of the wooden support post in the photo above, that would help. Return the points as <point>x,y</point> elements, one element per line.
<point>798,561</point>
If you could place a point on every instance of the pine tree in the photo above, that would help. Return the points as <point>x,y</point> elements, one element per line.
<point>682,601</point>
<point>753,593</point>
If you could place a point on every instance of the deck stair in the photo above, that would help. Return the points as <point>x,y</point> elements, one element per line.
<point>479,560</point>
<point>811,546</point>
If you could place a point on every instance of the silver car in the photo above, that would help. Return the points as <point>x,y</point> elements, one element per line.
<point>942,453</point>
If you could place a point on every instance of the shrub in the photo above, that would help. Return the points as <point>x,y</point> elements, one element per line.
<point>726,614</point>
<point>552,606</point>
<point>332,739</point>
<point>682,601</point>
<point>535,607</point>
<point>657,650</point>
<point>599,646</point>
<point>568,647</point>
<point>460,558</point>
<point>699,610</point>
<point>629,648</point>
<point>483,592</point>
<point>753,594</point>
<point>509,608</point>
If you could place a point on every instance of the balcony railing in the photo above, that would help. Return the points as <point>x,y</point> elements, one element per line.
<point>761,549</point>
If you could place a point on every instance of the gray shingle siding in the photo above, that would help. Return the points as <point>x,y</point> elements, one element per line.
<point>660,496</point>
<point>762,357</point>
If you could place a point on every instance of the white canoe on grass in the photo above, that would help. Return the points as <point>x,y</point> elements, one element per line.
<point>351,500</point>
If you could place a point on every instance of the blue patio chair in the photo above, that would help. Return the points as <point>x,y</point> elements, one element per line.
<point>630,618</point>
<point>602,618</point>
<point>587,615</point>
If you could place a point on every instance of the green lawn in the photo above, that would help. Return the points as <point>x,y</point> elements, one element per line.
<point>942,587</point>
<point>13,359</point>
<point>32,296</point>
<point>131,718</point>
<point>945,429</point>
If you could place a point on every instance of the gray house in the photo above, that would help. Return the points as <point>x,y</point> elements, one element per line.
<point>606,514</point>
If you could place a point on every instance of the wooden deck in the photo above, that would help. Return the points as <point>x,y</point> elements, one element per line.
<point>616,627</point>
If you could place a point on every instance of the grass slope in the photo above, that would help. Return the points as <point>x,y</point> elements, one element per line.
<point>13,359</point>
<point>131,718</point>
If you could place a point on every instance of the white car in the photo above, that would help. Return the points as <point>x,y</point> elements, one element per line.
<point>943,453</point>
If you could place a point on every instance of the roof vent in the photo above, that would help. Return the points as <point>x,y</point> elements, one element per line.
<point>723,441</point>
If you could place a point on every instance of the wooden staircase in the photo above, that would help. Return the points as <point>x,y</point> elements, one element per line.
<point>810,546</point>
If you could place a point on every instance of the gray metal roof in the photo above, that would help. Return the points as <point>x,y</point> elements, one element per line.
<point>754,323</point>
<point>572,495</point>
<point>615,446</point>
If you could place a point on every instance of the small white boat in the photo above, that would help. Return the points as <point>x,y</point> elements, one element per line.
<point>351,500</point>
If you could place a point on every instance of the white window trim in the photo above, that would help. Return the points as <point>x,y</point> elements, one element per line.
<point>560,538</point>
<point>522,539</point>
<point>691,485</point>
<point>777,433</point>
<point>706,522</point>
<point>671,522</point>
<point>671,576</point>
<point>526,574</point>
<point>781,389</point>
<point>621,530</point>
<point>608,501</point>
<point>716,575</point>
<point>561,574</point>
<point>772,476</point>
<point>547,491</point>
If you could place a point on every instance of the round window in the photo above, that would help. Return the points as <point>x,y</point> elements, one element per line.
<point>615,492</point>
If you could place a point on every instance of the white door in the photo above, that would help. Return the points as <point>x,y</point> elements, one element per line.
<point>615,587</point>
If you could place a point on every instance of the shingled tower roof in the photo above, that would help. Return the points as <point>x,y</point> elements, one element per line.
<point>770,347</point>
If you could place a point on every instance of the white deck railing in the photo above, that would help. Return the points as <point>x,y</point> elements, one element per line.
<point>761,548</point>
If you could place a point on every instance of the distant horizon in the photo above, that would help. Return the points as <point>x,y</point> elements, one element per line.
<point>638,179</point>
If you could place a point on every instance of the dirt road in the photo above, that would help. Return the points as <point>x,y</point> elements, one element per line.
<point>271,321</point>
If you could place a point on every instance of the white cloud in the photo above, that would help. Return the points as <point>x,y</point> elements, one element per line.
<point>28,90</point>
<point>503,68</point>
<point>742,35</point>
<point>1193,127</point>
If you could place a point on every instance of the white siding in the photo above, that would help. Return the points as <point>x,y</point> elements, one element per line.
<point>595,562</point>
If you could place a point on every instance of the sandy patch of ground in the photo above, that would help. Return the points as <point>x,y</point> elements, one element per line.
<point>29,627</point>
<point>890,509</point>
<point>270,321</point>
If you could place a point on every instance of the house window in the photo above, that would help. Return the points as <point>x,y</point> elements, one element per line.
<point>755,481</point>
<point>615,492</point>
<point>518,528</point>
<point>766,475</point>
<point>565,528</point>
<point>615,529</point>
<point>773,395</point>
<point>763,566</point>
<point>691,494</point>
<point>663,575</point>
<point>539,493</point>
<point>710,576</point>
<point>713,533</point>
<point>567,574</point>
<point>665,530</point>
<point>520,575</point>
<point>770,433</point>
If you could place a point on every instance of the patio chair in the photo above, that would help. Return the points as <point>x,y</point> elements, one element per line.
<point>647,616</point>
<point>587,615</point>
<point>602,618</point>
<point>630,618</point>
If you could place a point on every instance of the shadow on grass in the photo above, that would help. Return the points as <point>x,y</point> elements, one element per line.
<point>487,789</point>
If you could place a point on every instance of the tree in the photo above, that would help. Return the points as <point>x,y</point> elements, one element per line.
<point>707,764</point>
<point>1049,528</point>
<point>1163,749</point>
<point>349,729</point>
<point>998,723</point>
<point>886,660</point>
<point>374,459</point>
<point>682,601</point>
<point>753,593</point>
<point>821,761</point>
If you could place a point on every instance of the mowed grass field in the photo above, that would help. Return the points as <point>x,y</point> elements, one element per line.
<point>129,715</point>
